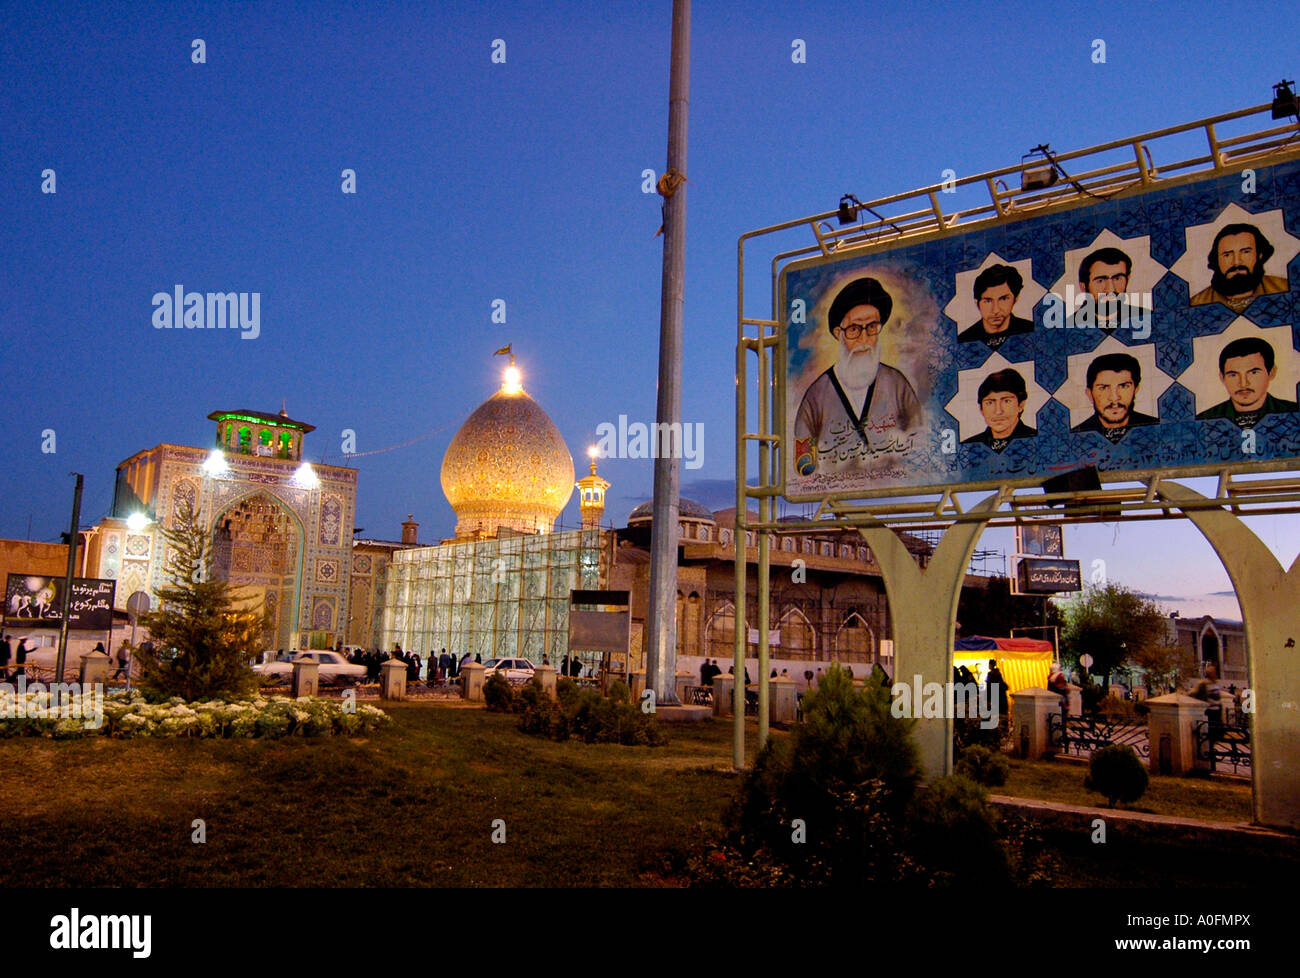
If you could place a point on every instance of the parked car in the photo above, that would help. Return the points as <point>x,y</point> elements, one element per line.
<point>515,670</point>
<point>334,668</point>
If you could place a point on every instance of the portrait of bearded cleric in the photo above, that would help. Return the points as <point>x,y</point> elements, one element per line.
<point>858,406</point>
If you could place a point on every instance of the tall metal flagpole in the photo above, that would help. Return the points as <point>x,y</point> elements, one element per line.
<point>661,640</point>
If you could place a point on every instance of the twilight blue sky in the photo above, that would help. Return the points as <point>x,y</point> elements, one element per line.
<point>518,181</point>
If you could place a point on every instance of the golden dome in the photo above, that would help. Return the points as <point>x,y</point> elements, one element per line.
<point>507,466</point>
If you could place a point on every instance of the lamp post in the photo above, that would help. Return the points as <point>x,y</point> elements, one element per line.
<point>73,538</point>
<point>661,631</point>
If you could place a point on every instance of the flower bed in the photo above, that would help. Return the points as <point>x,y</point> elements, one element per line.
<point>127,714</point>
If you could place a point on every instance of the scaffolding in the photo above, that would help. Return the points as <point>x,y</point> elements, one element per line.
<point>507,596</point>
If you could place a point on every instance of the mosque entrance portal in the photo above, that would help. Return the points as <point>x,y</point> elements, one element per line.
<point>256,547</point>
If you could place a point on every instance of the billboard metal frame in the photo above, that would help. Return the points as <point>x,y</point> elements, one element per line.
<point>918,597</point>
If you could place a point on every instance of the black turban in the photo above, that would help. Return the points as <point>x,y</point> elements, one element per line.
<point>860,292</point>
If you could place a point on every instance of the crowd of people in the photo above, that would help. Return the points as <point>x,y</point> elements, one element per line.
<point>443,667</point>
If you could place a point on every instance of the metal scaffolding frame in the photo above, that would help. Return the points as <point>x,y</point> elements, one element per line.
<point>506,596</point>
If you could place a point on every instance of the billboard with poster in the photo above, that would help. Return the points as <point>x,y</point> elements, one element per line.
<point>37,601</point>
<point>1040,540</point>
<point>1156,329</point>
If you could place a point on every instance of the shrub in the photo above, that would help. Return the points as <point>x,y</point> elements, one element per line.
<point>847,772</point>
<point>850,735</point>
<point>952,833</point>
<point>989,768</point>
<point>587,715</point>
<point>849,836</point>
<point>497,694</point>
<point>1032,860</point>
<point>538,715</point>
<point>1118,773</point>
<point>566,690</point>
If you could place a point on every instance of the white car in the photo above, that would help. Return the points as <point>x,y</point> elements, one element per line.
<point>334,668</point>
<point>514,670</point>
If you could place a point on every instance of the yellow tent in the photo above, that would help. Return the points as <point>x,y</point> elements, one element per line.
<point>1021,668</point>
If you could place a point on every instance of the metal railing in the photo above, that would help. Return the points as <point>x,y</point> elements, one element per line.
<point>1082,735</point>
<point>1224,743</point>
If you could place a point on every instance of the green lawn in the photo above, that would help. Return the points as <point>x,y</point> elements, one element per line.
<point>414,806</point>
<point>1213,800</point>
<point>411,806</point>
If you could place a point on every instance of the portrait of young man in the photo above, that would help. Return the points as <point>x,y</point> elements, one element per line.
<point>858,405</point>
<point>1002,397</point>
<point>1237,258</point>
<point>1113,380</point>
<point>1104,276</point>
<point>996,290</point>
<point>1246,368</point>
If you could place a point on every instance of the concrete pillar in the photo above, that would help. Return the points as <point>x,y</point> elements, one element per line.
<point>1268,594</point>
<point>94,669</point>
<point>783,705</point>
<point>1169,731</point>
<point>306,678</point>
<point>1075,700</point>
<point>471,681</point>
<point>636,683</point>
<point>1030,709</point>
<point>724,688</point>
<point>392,680</point>
<point>922,612</point>
<point>546,675</point>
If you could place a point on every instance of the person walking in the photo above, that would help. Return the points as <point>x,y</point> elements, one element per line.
<point>6,653</point>
<point>997,686</point>
<point>20,658</point>
<point>122,660</point>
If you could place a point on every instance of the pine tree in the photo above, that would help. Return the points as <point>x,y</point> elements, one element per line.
<point>202,639</point>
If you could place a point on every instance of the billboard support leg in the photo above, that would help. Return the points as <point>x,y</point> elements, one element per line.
<point>1269,597</point>
<point>923,611</point>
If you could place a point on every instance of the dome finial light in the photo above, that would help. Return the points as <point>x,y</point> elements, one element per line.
<point>512,377</point>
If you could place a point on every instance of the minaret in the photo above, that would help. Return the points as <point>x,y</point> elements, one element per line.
<point>409,529</point>
<point>591,495</point>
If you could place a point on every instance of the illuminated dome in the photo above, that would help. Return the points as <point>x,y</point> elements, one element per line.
<point>507,466</point>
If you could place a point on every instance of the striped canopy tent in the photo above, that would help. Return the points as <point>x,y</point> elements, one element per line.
<point>1024,662</point>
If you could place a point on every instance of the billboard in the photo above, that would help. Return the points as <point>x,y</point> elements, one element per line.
<point>1151,330</point>
<point>37,601</point>
<point>1040,540</point>
<point>1044,575</point>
